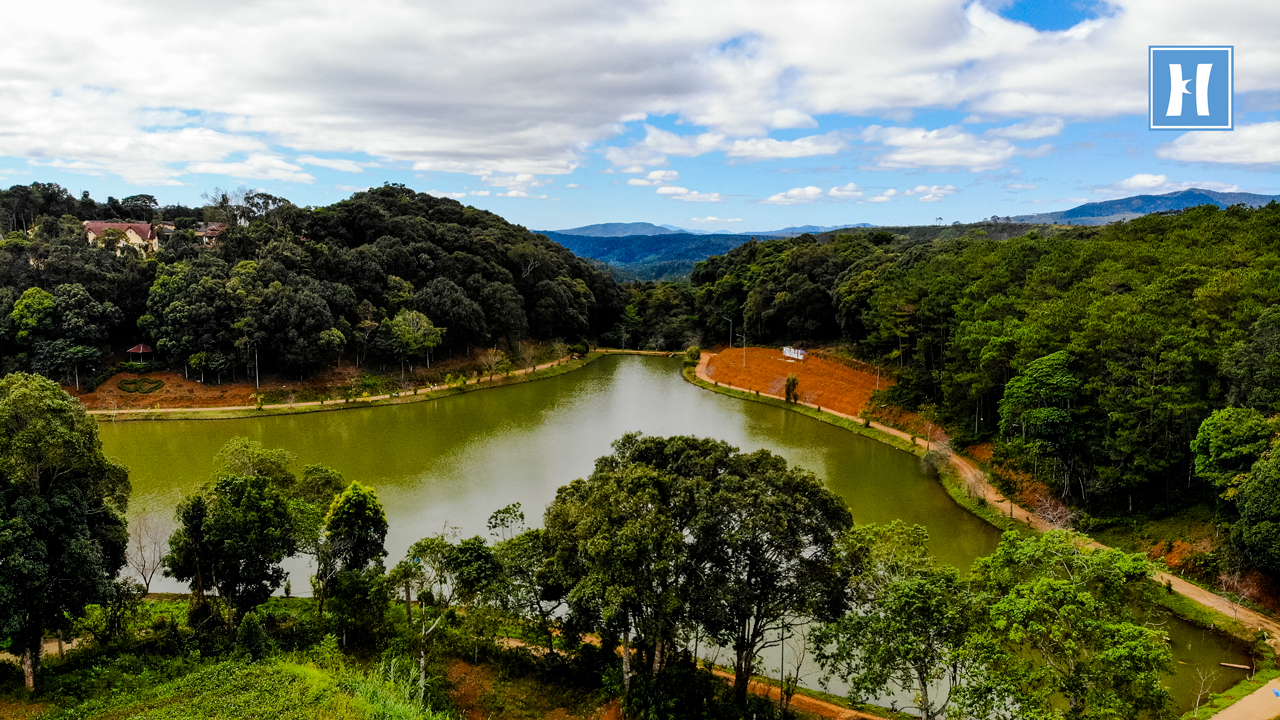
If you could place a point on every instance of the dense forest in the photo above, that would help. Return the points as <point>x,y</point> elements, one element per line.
<point>1091,354</point>
<point>382,277</point>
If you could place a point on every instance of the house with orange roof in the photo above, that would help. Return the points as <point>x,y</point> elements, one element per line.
<point>139,235</point>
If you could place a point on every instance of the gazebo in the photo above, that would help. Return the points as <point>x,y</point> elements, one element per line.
<point>140,348</point>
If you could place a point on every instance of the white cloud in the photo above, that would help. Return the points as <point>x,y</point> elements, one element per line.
<point>931,193</point>
<point>795,196</point>
<point>713,218</point>
<point>791,118</point>
<point>338,164</point>
<point>948,147</point>
<point>441,87</point>
<point>481,193</point>
<point>885,196</point>
<point>657,177</point>
<point>770,149</point>
<point>687,195</point>
<point>1032,130</point>
<point>573,185</point>
<point>442,193</point>
<point>1254,144</point>
<point>846,192</point>
<point>1151,184</point>
<point>357,188</point>
<point>1021,186</point>
<point>658,144</point>
<point>255,167</point>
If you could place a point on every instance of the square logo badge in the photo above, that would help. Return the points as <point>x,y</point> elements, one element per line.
<point>1191,87</point>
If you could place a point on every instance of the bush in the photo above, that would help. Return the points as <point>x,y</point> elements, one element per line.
<point>791,388</point>
<point>250,637</point>
<point>580,348</point>
<point>140,385</point>
<point>683,691</point>
<point>693,354</point>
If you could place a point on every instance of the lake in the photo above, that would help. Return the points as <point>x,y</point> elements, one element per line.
<point>456,460</point>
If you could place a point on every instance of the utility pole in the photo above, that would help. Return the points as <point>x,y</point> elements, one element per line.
<point>730,332</point>
<point>257,385</point>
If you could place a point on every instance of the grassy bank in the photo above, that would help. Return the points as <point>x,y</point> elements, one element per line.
<point>408,396</point>
<point>296,688</point>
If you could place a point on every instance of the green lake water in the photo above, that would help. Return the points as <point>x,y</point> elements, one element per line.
<point>456,460</point>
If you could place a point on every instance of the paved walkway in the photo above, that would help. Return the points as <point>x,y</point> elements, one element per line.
<point>1263,704</point>
<point>316,403</point>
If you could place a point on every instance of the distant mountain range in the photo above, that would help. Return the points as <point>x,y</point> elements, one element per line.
<point>660,256</point>
<point>1101,213</point>
<point>660,252</point>
<point>649,230</point>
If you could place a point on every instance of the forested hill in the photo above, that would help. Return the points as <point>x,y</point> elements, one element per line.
<point>650,257</point>
<point>372,277</point>
<point>1092,355</point>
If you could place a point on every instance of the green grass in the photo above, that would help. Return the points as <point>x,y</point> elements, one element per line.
<point>1192,525</point>
<point>1218,702</point>
<point>276,689</point>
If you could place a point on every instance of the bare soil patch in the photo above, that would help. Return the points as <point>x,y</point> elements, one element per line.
<point>823,382</point>
<point>177,392</point>
<point>470,683</point>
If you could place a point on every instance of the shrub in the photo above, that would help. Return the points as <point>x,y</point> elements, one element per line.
<point>693,354</point>
<point>143,386</point>
<point>791,388</point>
<point>250,637</point>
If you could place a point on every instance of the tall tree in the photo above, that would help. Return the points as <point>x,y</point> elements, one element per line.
<point>62,505</point>
<point>1061,634</point>
<point>766,535</point>
<point>232,537</point>
<point>413,336</point>
<point>907,624</point>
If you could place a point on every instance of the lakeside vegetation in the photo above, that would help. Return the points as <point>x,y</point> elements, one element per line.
<point>670,543</point>
<point>1090,357</point>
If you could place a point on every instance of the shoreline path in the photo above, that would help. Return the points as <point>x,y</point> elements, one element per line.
<point>317,403</point>
<point>1262,704</point>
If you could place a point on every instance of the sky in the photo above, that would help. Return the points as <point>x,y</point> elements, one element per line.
<point>712,115</point>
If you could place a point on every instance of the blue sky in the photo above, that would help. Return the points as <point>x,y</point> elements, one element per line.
<point>717,116</point>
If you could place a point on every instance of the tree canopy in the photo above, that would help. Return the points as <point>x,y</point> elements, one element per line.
<point>62,505</point>
<point>377,277</point>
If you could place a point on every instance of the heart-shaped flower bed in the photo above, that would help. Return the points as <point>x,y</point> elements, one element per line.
<point>141,385</point>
